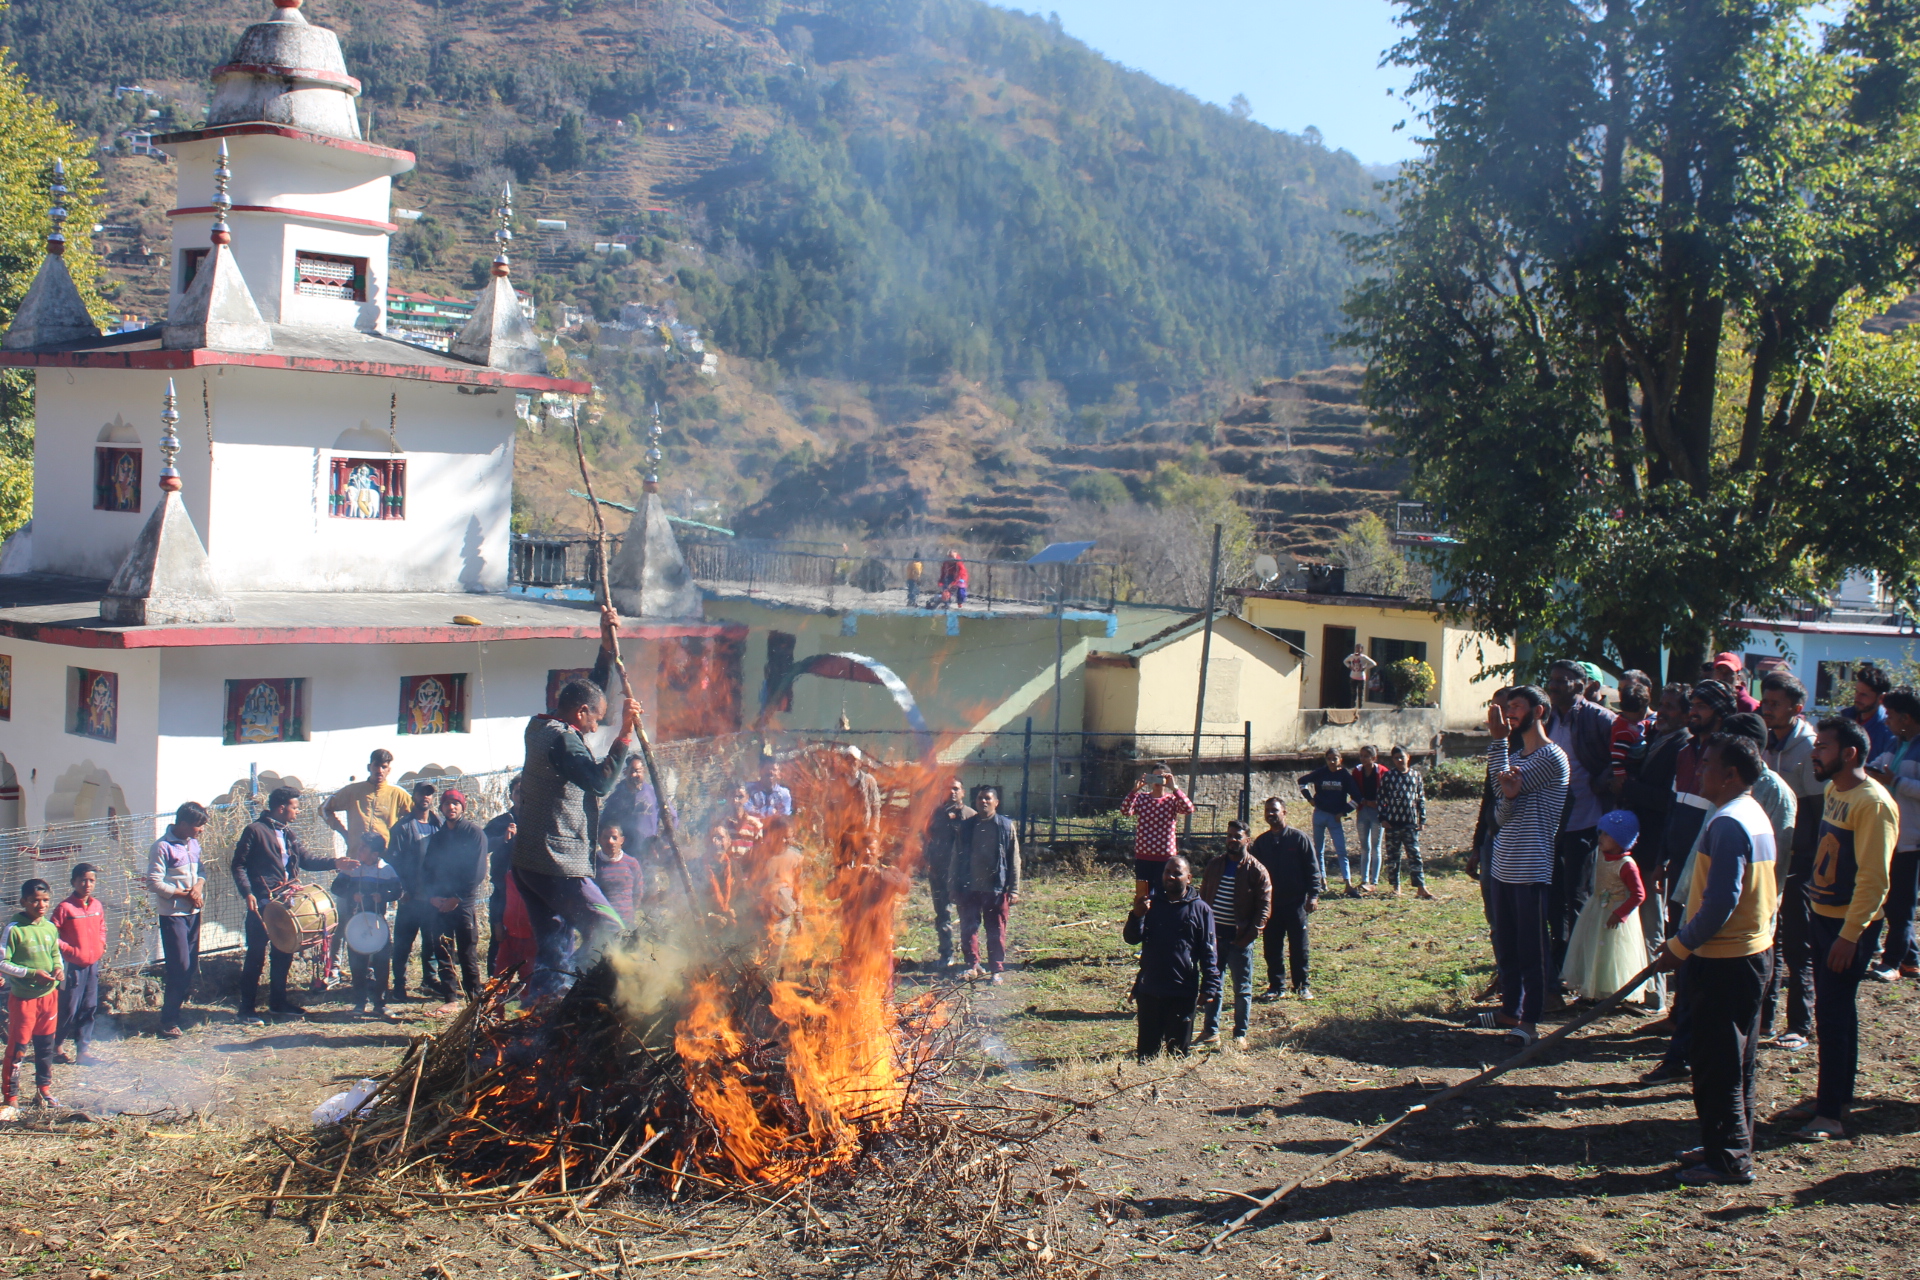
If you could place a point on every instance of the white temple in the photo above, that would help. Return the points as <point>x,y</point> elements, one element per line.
<point>282,594</point>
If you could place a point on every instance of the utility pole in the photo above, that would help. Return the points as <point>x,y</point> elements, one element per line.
<point>1059,660</point>
<point>1206,655</point>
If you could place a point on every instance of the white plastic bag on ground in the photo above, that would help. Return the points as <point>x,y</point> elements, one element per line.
<point>342,1105</point>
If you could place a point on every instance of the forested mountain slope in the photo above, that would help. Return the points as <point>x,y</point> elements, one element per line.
<point>911,228</point>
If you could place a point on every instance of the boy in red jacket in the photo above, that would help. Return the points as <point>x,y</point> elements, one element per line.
<point>82,921</point>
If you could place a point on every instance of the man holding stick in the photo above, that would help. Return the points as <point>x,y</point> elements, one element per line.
<point>1726,946</point>
<point>560,792</point>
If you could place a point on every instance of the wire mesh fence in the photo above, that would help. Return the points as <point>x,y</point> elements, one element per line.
<point>1069,793</point>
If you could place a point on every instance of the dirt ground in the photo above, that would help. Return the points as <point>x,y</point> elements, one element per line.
<point>1562,1167</point>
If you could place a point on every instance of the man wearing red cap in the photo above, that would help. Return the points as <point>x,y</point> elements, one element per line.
<point>1730,670</point>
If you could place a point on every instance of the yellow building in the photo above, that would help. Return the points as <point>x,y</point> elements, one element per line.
<point>1150,687</point>
<point>1327,627</point>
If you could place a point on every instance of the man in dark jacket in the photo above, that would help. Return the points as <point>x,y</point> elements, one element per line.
<point>1287,855</point>
<point>943,837</point>
<point>500,831</point>
<point>1178,964</point>
<point>986,881</point>
<point>413,918</point>
<point>560,792</point>
<point>1584,731</point>
<point>453,873</point>
<point>1236,886</point>
<point>267,858</point>
<point>1330,789</point>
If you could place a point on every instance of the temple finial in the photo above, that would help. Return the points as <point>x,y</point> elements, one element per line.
<point>169,441</point>
<point>654,455</point>
<point>222,200</point>
<point>57,210</point>
<point>504,236</point>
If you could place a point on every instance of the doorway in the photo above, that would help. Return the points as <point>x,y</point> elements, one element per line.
<point>1336,643</point>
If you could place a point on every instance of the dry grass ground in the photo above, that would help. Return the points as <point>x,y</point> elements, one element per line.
<point>1560,1168</point>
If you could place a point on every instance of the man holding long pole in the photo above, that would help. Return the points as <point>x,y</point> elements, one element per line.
<point>557,819</point>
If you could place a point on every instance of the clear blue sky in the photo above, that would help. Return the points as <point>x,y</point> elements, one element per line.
<point>1300,62</point>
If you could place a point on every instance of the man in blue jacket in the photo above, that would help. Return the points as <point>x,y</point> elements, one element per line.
<point>1178,962</point>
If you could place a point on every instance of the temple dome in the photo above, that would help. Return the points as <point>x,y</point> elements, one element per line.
<point>287,71</point>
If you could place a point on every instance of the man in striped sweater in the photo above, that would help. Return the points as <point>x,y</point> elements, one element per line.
<point>1532,787</point>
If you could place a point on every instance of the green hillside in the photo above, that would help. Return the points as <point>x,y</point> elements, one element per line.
<point>875,211</point>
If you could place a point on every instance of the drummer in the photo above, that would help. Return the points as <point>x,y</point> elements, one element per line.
<point>267,861</point>
<point>370,888</point>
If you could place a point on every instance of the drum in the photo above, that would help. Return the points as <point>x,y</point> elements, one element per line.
<point>367,932</point>
<point>299,917</point>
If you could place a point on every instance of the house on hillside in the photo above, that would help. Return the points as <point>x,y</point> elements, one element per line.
<point>1327,626</point>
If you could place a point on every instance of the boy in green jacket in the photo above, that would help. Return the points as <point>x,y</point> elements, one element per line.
<point>30,961</point>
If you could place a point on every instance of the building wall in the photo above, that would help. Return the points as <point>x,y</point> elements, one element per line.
<point>53,765</point>
<point>282,173</point>
<point>1248,680</point>
<point>1806,650</point>
<point>1457,656</point>
<point>258,494</point>
<point>991,675</point>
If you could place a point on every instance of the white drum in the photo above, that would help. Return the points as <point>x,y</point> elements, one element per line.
<point>367,933</point>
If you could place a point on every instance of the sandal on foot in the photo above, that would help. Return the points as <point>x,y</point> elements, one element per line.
<point>1821,1130</point>
<point>1489,1019</point>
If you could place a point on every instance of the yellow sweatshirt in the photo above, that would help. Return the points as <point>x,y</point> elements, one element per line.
<point>1857,833</point>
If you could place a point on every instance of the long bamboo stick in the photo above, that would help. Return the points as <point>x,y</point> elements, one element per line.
<point>1532,1049</point>
<point>619,664</point>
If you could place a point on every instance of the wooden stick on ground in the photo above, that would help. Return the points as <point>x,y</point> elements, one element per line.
<point>666,822</point>
<point>1532,1049</point>
<point>326,1210</point>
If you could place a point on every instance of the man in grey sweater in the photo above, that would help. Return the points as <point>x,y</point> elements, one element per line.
<point>560,793</point>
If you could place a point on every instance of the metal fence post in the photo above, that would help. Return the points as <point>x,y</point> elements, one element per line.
<point>1246,772</point>
<point>1026,770</point>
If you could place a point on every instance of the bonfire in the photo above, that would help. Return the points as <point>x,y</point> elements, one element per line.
<point>709,1056</point>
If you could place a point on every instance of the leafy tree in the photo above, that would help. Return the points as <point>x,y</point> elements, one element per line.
<point>1101,488</point>
<point>33,139</point>
<point>1614,325</point>
<point>1374,565</point>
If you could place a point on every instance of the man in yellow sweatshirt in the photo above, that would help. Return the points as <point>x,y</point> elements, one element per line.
<point>1726,945</point>
<point>1859,824</point>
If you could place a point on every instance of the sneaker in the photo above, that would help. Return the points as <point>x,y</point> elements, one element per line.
<point>1268,996</point>
<point>1705,1175</point>
<point>1790,1041</point>
<point>1352,892</point>
<point>1305,993</point>
<point>994,979</point>
<point>250,1020</point>
<point>1884,975</point>
<point>1665,1073</point>
<point>1240,1043</point>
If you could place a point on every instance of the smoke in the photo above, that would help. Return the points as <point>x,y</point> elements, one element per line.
<point>649,973</point>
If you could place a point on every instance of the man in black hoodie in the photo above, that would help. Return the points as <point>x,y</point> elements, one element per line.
<point>1288,856</point>
<point>1178,964</point>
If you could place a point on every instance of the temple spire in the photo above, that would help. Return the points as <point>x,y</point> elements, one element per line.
<point>166,577</point>
<point>53,312</point>
<point>216,309</point>
<point>498,333</point>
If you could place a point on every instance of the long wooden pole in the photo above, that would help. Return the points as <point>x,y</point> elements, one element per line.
<point>619,664</point>
<point>1532,1049</point>
<point>1206,656</point>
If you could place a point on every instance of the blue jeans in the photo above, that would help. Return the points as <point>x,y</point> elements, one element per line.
<point>1366,826</point>
<point>1323,823</point>
<point>557,905</point>
<point>1239,961</point>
